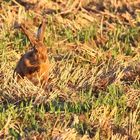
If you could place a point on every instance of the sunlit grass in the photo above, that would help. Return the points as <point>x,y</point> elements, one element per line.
<point>87,97</point>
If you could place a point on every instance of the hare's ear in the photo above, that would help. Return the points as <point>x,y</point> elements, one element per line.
<point>29,35</point>
<point>41,31</point>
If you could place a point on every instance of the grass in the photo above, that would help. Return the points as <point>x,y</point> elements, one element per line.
<point>93,90</point>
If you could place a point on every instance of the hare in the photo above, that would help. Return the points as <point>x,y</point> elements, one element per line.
<point>35,63</point>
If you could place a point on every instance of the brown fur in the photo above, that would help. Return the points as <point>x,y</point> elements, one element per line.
<point>34,64</point>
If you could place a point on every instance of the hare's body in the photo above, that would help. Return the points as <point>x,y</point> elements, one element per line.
<point>26,64</point>
<point>29,66</point>
<point>34,64</point>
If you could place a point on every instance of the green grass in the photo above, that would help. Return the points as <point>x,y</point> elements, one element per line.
<point>87,97</point>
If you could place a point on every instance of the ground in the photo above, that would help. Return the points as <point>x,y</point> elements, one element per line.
<point>94,81</point>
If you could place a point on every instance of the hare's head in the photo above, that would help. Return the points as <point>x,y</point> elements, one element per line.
<point>40,51</point>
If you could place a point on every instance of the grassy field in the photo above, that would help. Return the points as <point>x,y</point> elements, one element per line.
<point>94,82</point>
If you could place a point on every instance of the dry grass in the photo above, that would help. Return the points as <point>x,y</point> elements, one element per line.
<point>93,90</point>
